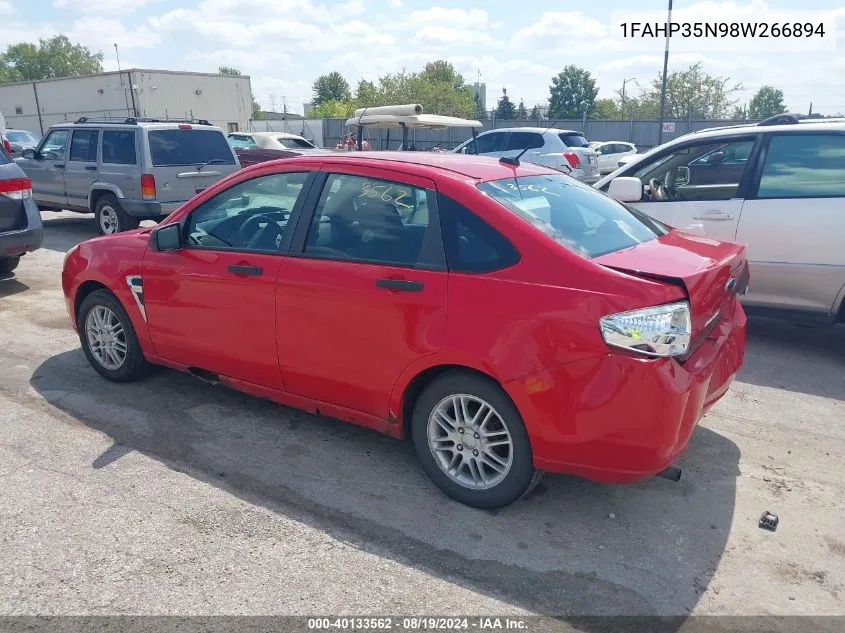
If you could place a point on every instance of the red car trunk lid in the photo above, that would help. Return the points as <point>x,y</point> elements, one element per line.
<point>712,272</point>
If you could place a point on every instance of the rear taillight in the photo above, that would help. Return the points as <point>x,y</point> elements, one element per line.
<point>572,159</point>
<point>185,126</point>
<point>16,189</point>
<point>148,187</point>
<point>659,331</point>
<point>7,146</point>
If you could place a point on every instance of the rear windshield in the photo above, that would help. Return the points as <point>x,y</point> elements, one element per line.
<point>294,143</point>
<point>21,137</point>
<point>578,217</point>
<point>574,140</point>
<point>189,147</point>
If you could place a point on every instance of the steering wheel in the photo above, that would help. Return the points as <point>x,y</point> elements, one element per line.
<point>661,192</point>
<point>251,227</point>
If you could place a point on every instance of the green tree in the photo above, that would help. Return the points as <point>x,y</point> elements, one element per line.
<point>768,101</point>
<point>480,108</point>
<point>690,94</point>
<point>441,71</point>
<point>366,94</point>
<point>50,58</point>
<point>505,109</point>
<point>572,93</point>
<point>231,71</point>
<point>535,113</point>
<point>521,112</point>
<point>331,87</point>
<point>334,109</point>
<point>606,109</point>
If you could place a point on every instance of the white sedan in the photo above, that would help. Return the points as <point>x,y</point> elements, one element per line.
<point>268,140</point>
<point>611,152</point>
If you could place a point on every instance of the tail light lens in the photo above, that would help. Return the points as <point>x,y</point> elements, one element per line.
<point>16,189</point>
<point>659,331</point>
<point>7,146</point>
<point>572,159</point>
<point>148,187</point>
<point>184,126</point>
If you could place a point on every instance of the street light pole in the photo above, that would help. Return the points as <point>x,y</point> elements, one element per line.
<point>665,70</point>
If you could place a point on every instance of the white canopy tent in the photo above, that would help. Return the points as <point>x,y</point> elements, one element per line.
<point>405,117</point>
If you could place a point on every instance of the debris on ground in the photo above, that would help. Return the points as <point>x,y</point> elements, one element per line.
<point>769,521</point>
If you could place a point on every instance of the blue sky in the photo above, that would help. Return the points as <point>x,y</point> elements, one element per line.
<point>284,44</point>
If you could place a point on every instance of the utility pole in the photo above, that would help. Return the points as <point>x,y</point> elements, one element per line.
<point>665,71</point>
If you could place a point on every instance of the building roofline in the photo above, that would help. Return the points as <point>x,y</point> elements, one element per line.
<point>123,72</point>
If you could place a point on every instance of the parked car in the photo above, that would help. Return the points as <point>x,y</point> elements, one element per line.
<point>20,222</point>
<point>248,157</point>
<point>269,140</point>
<point>625,160</point>
<point>20,140</point>
<point>126,171</point>
<point>582,337</point>
<point>611,152</point>
<point>563,150</point>
<point>777,186</point>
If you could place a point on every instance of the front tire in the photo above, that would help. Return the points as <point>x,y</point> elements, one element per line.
<point>471,441</point>
<point>111,218</point>
<point>108,338</point>
<point>8,264</point>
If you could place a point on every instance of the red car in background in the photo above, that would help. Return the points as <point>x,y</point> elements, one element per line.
<point>509,319</point>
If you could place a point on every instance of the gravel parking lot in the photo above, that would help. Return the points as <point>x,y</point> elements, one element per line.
<point>170,496</point>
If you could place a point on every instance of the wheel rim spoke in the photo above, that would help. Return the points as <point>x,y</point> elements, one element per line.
<point>106,337</point>
<point>470,441</point>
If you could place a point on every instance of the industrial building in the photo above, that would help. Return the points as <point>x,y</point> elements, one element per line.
<point>223,100</point>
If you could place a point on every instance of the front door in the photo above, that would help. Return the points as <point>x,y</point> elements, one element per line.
<point>794,223</point>
<point>47,170</point>
<point>366,297</point>
<point>704,183</point>
<point>211,305</point>
<point>81,168</point>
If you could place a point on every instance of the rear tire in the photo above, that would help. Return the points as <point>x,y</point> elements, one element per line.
<point>117,358</point>
<point>111,218</point>
<point>471,441</point>
<point>8,264</point>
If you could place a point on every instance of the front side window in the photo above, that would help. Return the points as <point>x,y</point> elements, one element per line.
<point>177,147</point>
<point>804,166</point>
<point>708,171</point>
<point>252,215</point>
<point>56,143</point>
<point>374,220</point>
<point>83,146</point>
<point>486,143</point>
<point>119,147</point>
<point>574,215</point>
<point>524,140</point>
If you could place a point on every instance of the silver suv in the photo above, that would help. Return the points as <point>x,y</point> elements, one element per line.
<point>564,150</point>
<point>126,171</point>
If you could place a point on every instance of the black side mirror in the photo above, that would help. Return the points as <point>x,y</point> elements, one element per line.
<point>167,237</point>
<point>28,153</point>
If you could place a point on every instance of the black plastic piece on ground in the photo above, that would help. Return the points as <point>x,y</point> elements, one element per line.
<point>769,521</point>
<point>671,473</point>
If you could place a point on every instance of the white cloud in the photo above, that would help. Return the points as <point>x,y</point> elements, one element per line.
<point>455,18</point>
<point>100,34</point>
<point>497,25</point>
<point>395,3</point>
<point>102,6</point>
<point>559,26</point>
<point>6,7</point>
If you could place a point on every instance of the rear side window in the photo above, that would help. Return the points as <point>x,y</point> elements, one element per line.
<point>83,145</point>
<point>294,143</point>
<point>119,147</point>
<point>524,140</point>
<point>574,140</point>
<point>804,166</point>
<point>472,245</point>
<point>189,147</point>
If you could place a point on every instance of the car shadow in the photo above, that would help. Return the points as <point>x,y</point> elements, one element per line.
<point>63,233</point>
<point>782,355</point>
<point>572,548</point>
<point>10,286</point>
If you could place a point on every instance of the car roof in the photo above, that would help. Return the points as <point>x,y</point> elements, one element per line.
<point>539,130</point>
<point>271,134</point>
<point>804,125</point>
<point>421,163</point>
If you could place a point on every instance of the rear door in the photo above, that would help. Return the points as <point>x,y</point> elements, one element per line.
<point>47,169</point>
<point>186,159</point>
<point>81,169</point>
<point>794,222</point>
<point>607,157</point>
<point>365,295</point>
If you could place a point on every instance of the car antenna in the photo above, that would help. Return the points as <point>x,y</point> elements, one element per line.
<point>514,161</point>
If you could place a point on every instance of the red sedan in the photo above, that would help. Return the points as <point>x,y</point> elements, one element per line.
<point>509,319</point>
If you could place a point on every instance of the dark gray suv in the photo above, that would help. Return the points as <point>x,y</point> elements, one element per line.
<point>20,222</point>
<point>126,171</point>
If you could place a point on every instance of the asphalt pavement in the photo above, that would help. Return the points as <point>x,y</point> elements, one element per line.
<point>170,496</point>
